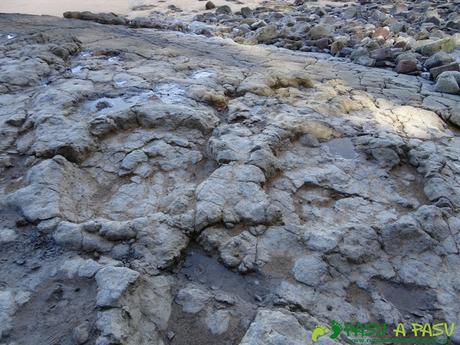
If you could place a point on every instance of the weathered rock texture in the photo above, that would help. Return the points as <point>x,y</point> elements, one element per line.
<point>164,188</point>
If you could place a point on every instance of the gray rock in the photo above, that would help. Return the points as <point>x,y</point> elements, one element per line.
<point>310,270</point>
<point>218,322</point>
<point>80,334</point>
<point>275,328</point>
<point>437,71</point>
<point>246,12</point>
<point>225,9</point>
<point>103,18</point>
<point>438,59</point>
<point>7,309</point>
<point>88,269</point>
<point>266,33</point>
<point>192,299</point>
<point>239,252</point>
<point>319,31</point>
<point>8,235</point>
<point>405,236</point>
<point>365,61</point>
<point>350,12</point>
<point>219,197</point>
<point>68,235</point>
<point>448,82</point>
<point>360,244</point>
<point>112,282</point>
<point>295,295</point>
<point>132,160</point>
<point>445,44</point>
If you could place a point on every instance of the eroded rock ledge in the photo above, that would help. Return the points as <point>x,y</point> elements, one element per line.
<point>163,188</point>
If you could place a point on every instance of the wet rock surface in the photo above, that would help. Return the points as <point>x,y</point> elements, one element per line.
<point>159,187</point>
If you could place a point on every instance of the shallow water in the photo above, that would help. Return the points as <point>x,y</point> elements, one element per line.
<point>201,268</point>
<point>105,105</point>
<point>202,74</point>
<point>170,93</point>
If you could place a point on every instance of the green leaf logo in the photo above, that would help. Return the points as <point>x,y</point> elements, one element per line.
<point>319,331</point>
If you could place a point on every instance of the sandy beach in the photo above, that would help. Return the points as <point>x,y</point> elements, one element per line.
<point>124,7</point>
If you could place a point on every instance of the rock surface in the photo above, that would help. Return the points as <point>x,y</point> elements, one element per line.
<point>161,187</point>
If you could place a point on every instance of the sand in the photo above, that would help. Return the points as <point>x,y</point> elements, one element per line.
<point>56,8</point>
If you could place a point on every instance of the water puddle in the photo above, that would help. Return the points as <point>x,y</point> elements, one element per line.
<point>170,93</point>
<point>119,83</point>
<point>105,105</point>
<point>84,54</point>
<point>202,74</point>
<point>77,69</point>
<point>204,269</point>
<point>409,299</point>
<point>228,288</point>
<point>113,59</point>
<point>342,147</point>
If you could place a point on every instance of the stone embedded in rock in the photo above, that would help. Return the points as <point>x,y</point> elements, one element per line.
<point>232,194</point>
<point>112,282</point>
<point>69,235</point>
<point>192,299</point>
<point>132,160</point>
<point>218,322</point>
<point>310,270</point>
<point>7,235</point>
<point>80,334</point>
<point>275,327</point>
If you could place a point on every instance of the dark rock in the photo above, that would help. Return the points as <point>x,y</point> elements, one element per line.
<point>319,31</point>
<point>436,71</point>
<point>225,9</point>
<point>210,5</point>
<point>350,12</point>
<point>320,11</point>
<point>384,54</point>
<point>337,46</point>
<point>322,43</point>
<point>406,66</point>
<point>246,12</point>
<point>103,18</point>
<point>448,82</point>
<point>60,51</point>
<point>438,59</point>
<point>266,33</point>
